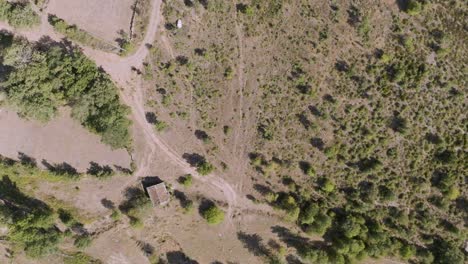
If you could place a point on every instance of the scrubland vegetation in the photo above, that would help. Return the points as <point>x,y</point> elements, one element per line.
<point>40,78</point>
<point>358,108</point>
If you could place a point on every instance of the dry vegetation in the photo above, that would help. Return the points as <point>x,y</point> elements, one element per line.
<point>352,115</point>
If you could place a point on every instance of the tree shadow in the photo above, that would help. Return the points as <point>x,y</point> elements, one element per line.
<point>100,171</point>
<point>107,203</point>
<point>342,66</point>
<point>123,38</point>
<point>193,159</point>
<point>294,240</point>
<point>7,161</point>
<point>182,60</point>
<point>150,181</point>
<point>402,4</point>
<point>251,198</point>
<point>61,169</point>
<point>315,111</point>
<point>204,3</point>
<point>151,118</point>
<point>304,166</point>
<point>201,135</point>
<point>27,160</point>
<point>262,189</point>
<point>188,3</point>
<point>253,243</point>
<point>291,259</point>
<point>318,143</point>
<point>183,200</point>
<point>204,205</point>
<point>14,198</point>
<point>304,120</point>
<point>123,170</point>
<point>146,248</point>
<point>179,257</point>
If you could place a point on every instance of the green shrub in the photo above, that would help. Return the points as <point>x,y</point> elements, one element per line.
<point>205,168</point>
<point>80,258</point>
<point>213,215</point>
<point>188,206</point>
<point>327,185</point>
<point>228,73</point>
<point>115,215</point>
<point>413,7</point>
<point>160,125</point>
<point>136,223</point>
<point>186,180</point>
<point>83,241</point>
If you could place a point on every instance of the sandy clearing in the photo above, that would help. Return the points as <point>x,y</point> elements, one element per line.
<point>111,16</point>
<point>60,140</point>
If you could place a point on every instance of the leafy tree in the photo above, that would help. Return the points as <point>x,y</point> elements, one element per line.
<point>407,251</point>
<point>413,7</point>
<point>18,14</point>
<point>327,185</point>
<point>321,224</point>
<point>447,253</point>
<point>205,168</point>
<point>308,214</point>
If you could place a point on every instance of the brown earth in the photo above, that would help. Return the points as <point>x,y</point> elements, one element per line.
<point>60,140</point>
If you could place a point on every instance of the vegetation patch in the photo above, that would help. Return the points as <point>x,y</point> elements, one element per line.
<point>213,215</point>
<point>18,14</point>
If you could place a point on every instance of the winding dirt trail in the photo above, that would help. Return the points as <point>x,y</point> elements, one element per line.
<point>120,70</point>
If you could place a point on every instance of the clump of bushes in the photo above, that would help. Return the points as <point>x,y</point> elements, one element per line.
<point>18,14</point>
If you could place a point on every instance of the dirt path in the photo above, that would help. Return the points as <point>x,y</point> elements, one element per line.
<point>120,69</point>
<point>239,150</point>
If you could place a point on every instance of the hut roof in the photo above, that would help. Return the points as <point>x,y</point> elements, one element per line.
<point>158,194</point>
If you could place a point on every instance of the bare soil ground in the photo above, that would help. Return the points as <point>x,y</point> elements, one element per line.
<point>104,18</point>
<point>60,140</point>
